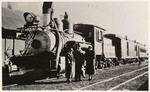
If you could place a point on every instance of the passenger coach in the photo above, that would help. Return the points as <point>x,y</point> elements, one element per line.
<point>127,50</point>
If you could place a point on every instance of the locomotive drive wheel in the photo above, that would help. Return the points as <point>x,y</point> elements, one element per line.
<point>30,77</point>
<point>102,65</point>
<point>116,63</point>
<point>110,64</point>
<point>121,62</point>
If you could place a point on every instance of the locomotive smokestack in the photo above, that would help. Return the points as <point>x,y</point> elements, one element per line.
<point>47,13</point>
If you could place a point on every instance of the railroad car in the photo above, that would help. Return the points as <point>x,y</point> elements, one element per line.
<point>127,50</point>
<point>110,52</point>
<point>141,51</point>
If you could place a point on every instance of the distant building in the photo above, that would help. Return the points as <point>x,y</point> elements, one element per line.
<point>11,20</point>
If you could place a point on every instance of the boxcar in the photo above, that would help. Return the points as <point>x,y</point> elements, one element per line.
<point>124,48</point>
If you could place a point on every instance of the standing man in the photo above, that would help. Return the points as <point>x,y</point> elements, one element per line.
<point>69,64</point>
<point>90,64</point>
<point>79,60</point>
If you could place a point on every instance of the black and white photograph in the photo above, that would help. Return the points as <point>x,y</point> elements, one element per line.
<point>75,45</point>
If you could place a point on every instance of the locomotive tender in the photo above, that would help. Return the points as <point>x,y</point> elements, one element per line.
<point>45,48</point>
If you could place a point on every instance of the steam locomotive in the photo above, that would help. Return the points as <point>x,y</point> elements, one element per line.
<point>45,48</point>
<point>44,52</point>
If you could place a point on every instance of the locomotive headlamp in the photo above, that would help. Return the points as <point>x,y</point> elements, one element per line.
<point>29,17</point>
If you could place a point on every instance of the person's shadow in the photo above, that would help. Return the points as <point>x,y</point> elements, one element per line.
<point>44,82</point>
<point>51,82</point>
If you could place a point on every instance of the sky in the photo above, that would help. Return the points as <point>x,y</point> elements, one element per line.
<point>124,18</point>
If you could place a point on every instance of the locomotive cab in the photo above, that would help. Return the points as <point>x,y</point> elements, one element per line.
<point>94,35</point>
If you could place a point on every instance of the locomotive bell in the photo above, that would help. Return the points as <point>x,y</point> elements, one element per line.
<point>42,41</point>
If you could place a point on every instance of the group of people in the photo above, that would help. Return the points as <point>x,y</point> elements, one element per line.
<point>75,62</point>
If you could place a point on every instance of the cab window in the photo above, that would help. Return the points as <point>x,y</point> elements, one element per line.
<point>99,35</point>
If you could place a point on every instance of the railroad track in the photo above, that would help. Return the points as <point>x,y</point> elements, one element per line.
<point>110,79</point>
<point>98,83</point>
<point>113,88</point>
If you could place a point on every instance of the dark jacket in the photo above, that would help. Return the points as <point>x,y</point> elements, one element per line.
<point>79,58</point>
<point>90,63</point>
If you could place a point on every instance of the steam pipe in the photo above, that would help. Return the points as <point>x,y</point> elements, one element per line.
<point>58,50</point>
